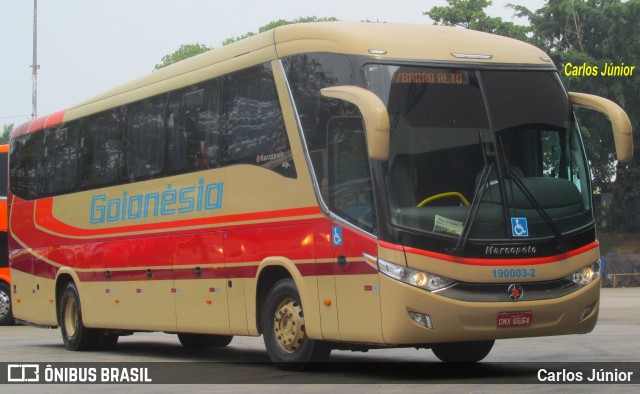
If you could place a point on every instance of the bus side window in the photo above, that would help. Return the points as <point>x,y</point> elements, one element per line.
<point>102,160</point>
<point>60,161</point>
<point>253,125</point>
<point>145,139</point>
<point>26,167</point>
<point>193,125</point>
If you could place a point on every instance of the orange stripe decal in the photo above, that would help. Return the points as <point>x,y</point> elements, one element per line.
<point>44,218</point>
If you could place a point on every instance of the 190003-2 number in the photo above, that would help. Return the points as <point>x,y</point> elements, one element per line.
<point>514,273</point>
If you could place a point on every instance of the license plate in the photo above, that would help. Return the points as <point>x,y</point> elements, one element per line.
<point>514,319</point>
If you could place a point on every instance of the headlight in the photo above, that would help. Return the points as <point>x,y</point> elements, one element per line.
<point>423,280</point>
<point>586,275</point>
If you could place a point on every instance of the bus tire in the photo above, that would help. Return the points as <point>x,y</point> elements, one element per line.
<point>462,352</point>
<point>193,341</point>
<point>284,331</point>
<point>6,313</point>
<point>107,341</point>
<point>75,335</point>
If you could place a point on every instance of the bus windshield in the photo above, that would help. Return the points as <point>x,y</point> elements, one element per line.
<point>498,150</point>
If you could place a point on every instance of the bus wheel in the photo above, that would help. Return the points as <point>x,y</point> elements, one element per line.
<point>6,315</point>
<point>74,334</point>
<point>284,332</point>
<point>462,352</point>
<point>193,341</point>
<point>107,341</point>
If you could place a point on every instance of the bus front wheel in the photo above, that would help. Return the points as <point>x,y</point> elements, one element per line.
<point>74,334</point>
<point>283,328</point>
<point>462,352</point>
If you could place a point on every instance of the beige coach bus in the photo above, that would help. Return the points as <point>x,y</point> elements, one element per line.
<point>327,186</point>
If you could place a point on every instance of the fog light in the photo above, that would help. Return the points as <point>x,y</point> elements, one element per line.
<point>587,311</point>
<point>422,319</point>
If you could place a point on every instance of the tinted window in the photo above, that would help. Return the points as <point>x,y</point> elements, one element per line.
<point>61,145</point>
<point>253,127</point>
<point>350,187</point>
<point>164,135</point>
<point>307,74</point>
<point>103,150</point>
<point>545,101</point>
<point>146,139</point>
<point>26,171</point>
<point>194,128</point>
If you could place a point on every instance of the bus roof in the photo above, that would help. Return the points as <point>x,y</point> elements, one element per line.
<point>378,40</point>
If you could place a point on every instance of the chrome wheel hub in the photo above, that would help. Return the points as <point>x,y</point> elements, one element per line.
<point>5,304</point>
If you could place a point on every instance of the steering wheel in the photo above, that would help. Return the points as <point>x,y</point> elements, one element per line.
<point>443,195</point>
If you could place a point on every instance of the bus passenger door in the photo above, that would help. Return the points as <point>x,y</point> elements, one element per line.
<point>351,198</point>
<point>199,283</point>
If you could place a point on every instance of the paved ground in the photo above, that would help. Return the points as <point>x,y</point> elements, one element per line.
<point>614,342</point>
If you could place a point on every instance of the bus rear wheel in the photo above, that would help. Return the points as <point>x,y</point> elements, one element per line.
<point>6,314</point>
<point>193,341</point>
<point>462,352</point>
<point>74,334</point>
<point>283,328</point>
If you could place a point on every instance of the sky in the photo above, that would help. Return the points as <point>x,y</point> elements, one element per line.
<point>86,47</point>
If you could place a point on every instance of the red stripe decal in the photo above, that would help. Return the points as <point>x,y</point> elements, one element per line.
<point>503,262</point>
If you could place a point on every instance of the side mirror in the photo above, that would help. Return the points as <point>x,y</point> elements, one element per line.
<point>374,113</point>
<point>619,121</point>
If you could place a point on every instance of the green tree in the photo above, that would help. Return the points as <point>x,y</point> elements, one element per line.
<point>184,52</point>
<point>595,33</point>
<point>591,32</point>
<point>6,133</point>
<point>470,14</point>
<point>188,50</point>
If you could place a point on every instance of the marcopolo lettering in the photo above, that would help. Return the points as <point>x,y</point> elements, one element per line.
<point>199,198</point>
<point>515,251</point>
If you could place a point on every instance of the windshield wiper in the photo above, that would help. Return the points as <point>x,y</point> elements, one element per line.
<point>562,247</point>
<point>473,212</point>
<point>477,196</point>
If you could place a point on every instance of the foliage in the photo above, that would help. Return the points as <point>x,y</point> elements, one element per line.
<point>470,14</point>
<point>274,24</point>
<point>580,32</point>
<point>6,132</point>
<point>188,50</point>
<point>184,52</point>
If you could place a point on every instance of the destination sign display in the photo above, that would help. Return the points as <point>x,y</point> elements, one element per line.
<point>430,76</point>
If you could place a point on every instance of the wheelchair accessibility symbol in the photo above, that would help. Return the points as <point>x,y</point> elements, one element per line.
<point>519,227</point>
<point>336,235</point>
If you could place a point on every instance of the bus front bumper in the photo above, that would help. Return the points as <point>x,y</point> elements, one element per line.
<point>453,321</point>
